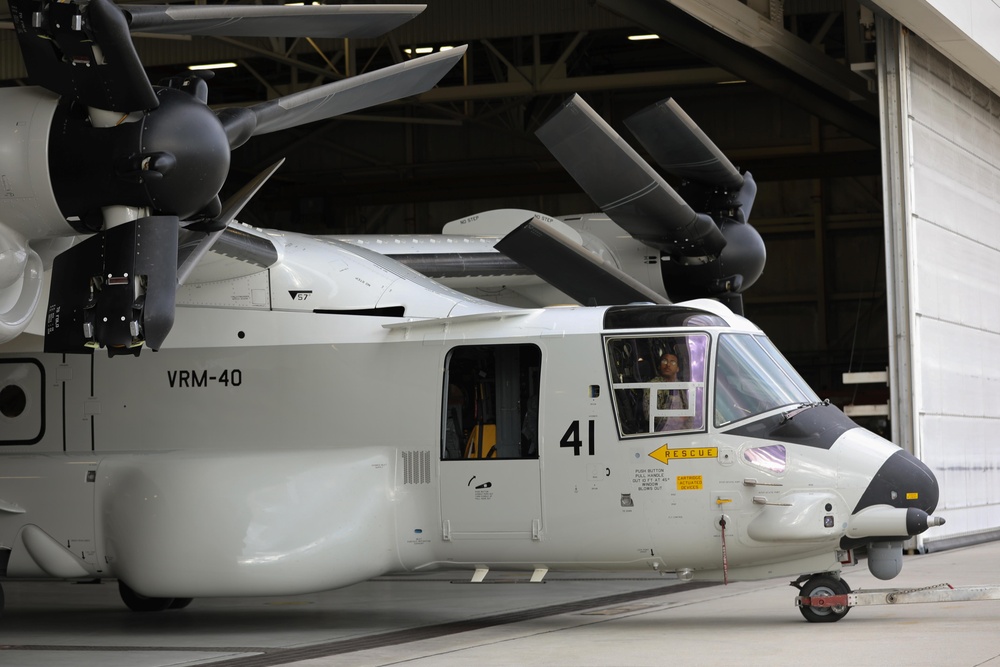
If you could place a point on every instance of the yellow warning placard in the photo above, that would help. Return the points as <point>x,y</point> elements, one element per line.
<point>689,483</point>
<point>666,455</point>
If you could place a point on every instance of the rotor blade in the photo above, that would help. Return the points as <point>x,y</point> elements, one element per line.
<point>569,267</point>
<point>680,147</point>
<point>92,295</point>
<point>82,51</point>
<point>270,20</point>
<point>339,97</point>
<point>230,210</point>
<point>624,186</point>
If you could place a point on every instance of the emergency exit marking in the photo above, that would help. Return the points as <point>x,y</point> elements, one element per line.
<point>689,483</point>
<point>665,454</point>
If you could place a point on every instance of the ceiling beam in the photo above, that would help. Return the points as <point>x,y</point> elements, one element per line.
<point>753,53</point>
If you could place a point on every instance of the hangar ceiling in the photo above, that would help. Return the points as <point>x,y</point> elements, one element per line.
<point>786,89</point>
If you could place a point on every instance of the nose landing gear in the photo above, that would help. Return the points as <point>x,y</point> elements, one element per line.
<point>822,597</point>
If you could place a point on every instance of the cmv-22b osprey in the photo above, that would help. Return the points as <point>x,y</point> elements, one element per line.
<point>321,414</point>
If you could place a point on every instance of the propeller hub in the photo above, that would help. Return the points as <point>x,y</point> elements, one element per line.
<point>183,154</point>
<point>173,160</point>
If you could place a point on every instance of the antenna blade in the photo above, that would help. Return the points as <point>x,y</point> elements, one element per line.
<point>334,21</point>
<point>624,186</point>
<point>569,267</point>
<point>340,97</point>
<point>678,145</point>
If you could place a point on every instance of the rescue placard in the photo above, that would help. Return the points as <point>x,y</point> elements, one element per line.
<point>689,483</point>
<point>665,454</point>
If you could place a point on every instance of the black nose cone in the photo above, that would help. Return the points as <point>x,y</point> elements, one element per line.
<point>902,481</point>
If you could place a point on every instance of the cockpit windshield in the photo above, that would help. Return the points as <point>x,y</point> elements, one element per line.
<point>751,377</point>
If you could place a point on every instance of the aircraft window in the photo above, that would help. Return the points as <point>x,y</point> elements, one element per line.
<point>491,402</point>
<point>12,401</point>
<point>770,458</point>
<point>658,382</point>
<point>751,377</point>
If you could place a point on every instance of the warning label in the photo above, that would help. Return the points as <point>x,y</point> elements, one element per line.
<point>689,482</point>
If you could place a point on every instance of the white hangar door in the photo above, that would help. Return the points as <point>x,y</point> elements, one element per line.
<point>941,157</point>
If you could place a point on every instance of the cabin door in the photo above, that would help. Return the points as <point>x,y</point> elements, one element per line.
<point>490,476</point>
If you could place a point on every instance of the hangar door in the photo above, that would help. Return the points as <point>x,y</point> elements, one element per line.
<point>941,166</point>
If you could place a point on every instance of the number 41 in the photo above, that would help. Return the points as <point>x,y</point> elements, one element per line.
<point>572,437</point>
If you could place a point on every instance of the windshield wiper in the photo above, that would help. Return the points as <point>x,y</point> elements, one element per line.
<point>801,407</point>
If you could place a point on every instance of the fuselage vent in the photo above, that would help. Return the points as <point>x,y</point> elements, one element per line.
<point>416,467</point>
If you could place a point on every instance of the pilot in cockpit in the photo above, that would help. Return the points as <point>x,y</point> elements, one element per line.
<point>668,370</point>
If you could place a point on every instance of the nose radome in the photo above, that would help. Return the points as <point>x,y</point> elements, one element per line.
<point>903,481</point>
<point>896,504</point>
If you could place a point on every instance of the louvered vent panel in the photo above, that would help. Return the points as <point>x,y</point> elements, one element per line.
<point>416,467</point>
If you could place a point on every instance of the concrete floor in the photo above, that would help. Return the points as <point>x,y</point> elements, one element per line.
<point>442,620</point>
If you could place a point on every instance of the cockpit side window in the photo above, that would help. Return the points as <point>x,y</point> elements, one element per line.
<point>491,402</point>
<point>751,377</point>
<point>658,382</point>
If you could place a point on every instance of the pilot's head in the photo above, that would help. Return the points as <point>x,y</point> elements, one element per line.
<point>668,366</point>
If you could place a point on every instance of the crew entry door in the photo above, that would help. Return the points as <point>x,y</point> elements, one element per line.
<point>490,477</point>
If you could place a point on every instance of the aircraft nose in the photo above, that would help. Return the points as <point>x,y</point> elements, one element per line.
<point>898,501</point>
<point>902,481</point>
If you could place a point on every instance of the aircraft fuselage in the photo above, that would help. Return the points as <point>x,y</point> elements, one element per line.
<point>284,441</point>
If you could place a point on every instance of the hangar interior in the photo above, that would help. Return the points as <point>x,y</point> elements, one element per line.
<point>867,138</point>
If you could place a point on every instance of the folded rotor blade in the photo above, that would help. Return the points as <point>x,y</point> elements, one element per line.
<point>82,51</point>
<point>680,147</point>
<point>92,296</point>
<point>624,186</point>
<point>189,256</point>
<point>340,97</point>
<point>270,20</point>
<point>572,269</point>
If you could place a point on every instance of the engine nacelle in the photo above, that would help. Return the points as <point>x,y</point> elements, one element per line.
<point>28,205</point>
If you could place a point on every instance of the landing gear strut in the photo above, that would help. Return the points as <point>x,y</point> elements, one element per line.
<point>822,585</point>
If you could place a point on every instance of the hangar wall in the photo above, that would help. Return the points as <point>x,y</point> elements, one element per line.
<point>941,153</point>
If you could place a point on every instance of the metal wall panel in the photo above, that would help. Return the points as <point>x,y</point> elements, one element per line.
<point>951,131</point>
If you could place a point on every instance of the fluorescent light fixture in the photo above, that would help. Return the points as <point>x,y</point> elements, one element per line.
<point>642,38</point>
<point>212,66</point>
<point>729,83</point>
<point>421,50</point>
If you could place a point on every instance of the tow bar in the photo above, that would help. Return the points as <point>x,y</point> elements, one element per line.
<point>880,596</point>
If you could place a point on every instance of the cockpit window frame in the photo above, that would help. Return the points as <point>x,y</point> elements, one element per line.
<point>699,389</point>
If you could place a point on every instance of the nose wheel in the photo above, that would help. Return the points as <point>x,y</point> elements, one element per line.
<point>823,585</point>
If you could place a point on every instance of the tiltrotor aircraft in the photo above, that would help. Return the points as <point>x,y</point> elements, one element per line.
<point>311,414</point>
